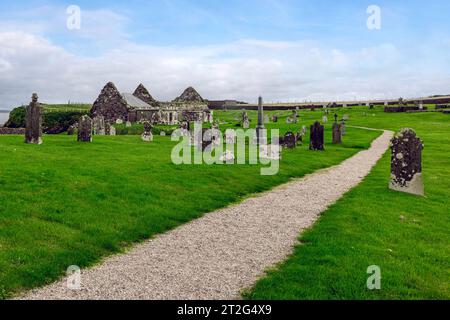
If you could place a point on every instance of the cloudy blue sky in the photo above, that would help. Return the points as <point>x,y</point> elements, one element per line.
<point>285,50</point>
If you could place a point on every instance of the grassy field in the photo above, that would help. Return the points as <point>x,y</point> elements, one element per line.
<point>406,236</point>
<point>73,107</point>
<point>64,203</point>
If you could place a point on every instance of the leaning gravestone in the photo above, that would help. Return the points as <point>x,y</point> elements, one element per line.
<point>406,163</point>
<point>290,140</point>
<point>316,137</point>
<point>337,134</point>
<point>33,119</point>
<point>128,124</point>
<point>147,136</point>
<point>85,129</point>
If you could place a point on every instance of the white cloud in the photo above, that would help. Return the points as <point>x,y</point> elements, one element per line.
<point>280,71</point>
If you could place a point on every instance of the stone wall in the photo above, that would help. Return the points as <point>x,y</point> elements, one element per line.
<point>110,104</point>
<point>4,130</point>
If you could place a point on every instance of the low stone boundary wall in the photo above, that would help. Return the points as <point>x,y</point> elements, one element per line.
<point>4,130</point>
<point>403,109</point>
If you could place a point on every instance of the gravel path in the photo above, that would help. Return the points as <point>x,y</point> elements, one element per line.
<point>218,255</point>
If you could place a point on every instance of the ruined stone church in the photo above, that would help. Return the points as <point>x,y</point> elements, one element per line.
<point>140,106</point>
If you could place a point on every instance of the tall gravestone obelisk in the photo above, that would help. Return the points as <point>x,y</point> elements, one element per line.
<point>33,119</point>
<point>260,126</point>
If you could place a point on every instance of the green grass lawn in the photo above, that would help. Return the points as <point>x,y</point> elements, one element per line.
<point>407,236</point>
<point>73,107</point>
<point>64,203</point>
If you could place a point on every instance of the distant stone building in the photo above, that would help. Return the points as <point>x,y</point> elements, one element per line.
<point>141,107</point>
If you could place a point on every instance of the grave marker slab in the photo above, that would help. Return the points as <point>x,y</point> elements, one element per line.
<point>147,136</point>
<point>85,129</point>
<point>289,140</point>
<point>316,137</point>
<point>337,134</point>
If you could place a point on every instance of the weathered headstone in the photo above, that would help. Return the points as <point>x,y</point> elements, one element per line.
<point>111,130</point>
<point>33,119</point>
<point>245,121</point>
<point>337,134</point>
<point>119,121</point>
<point>406,163</point>
<point>343,127</point>
<point>299,138</point>
<point>266,119</point>
<point>71,130</point>
<point>316,137</point>
<point>271,151</point>
<point>85,129</point>
<point>162,133</point>
<point>274,118</point>
<point>128,124</point>
<point>184,125</point>
<point>230,136</point>
<point>325,119</point>
<point>99,126</point>
<point>303,130</point>
<point>207,139</point>
<point>227,157</point>
<point>295,115</point>
<point>147,135</point>
<point>289,140</point>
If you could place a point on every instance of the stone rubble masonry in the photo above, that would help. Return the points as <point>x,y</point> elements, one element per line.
<point>110,104</point>
<point>189,95</point>
<point>142,93</point>
<point>18,131</point>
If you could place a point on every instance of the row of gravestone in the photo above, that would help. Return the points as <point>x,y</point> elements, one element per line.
<point>291,140</point>
<point>406,147</point>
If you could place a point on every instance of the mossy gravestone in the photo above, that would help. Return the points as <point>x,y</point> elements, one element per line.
<point>147,136</point>
<point>99,125</point>
<point>85,129</point>
<point>33,121</point>
<point>316,137</point>
<point>290,140</point>
<point>406,163</point>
